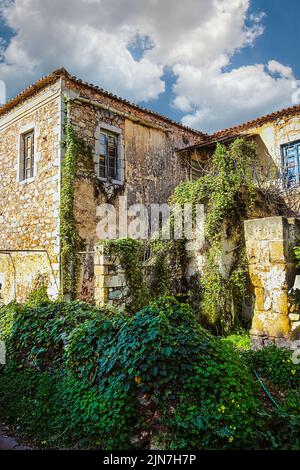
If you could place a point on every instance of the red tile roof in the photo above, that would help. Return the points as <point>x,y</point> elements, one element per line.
<point>241,128</point>
<point>209,138</point>
<point>63,73</point>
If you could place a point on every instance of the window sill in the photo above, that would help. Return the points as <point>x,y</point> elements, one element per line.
<point>27,181</point>
<point>111,181</point>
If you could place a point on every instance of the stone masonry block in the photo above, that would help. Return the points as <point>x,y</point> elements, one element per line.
<point>101,296</point>
<point>277,250</point>
<point>268,228</point>
<point>100,270</point>
<point>118,280</point>
<point>259,298</point>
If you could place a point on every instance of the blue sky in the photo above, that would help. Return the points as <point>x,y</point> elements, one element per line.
<point>208,63</point>
<point>280,41</point>
<point>281,38</point>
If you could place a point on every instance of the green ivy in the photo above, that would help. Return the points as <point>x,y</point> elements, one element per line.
<point>130,253</point>
<point>228,193</point>
<point>78,376</point>
<point>167,267</point>
<point>68,230</point>
<point>71,243</point>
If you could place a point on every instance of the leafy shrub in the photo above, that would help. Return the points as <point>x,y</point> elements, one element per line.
<point>7,314</point>
<point>276,365</point>
<point>240,340</point>
<point>155,349</point>
<point>85,377</point>
<point>56,409</point>
<point>40,333</point>
<point>219,405</point>
<point>26,400</point>
<point>87,343</point>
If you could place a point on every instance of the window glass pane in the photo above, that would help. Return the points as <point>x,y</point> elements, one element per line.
<point>103,144</point>
<point>102,166</point>
<point>108,155</point>
<point>27,157</point>
<point>291,164</point>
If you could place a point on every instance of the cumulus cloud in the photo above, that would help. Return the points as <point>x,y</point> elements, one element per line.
<point>195,39</point>
<point>215,99</point>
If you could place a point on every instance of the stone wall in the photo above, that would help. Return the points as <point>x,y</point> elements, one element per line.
<point>29,211</point>
<point>110,280</point>
<point>151,166</point>
<point>269,244</point>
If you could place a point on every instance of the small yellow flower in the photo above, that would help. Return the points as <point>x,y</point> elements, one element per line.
<point>293,371</point>
<point>231,438</point>
<point>221,409</point>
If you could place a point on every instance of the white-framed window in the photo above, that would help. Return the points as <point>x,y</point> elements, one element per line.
<point>27,156</point>
<point>109,153</point>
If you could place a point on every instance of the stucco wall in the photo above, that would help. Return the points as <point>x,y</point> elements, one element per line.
<point>29,211</point>
<point>271,136</point>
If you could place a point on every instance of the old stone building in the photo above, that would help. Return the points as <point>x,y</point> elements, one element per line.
<point>133,154</point>
<point>125,150</point>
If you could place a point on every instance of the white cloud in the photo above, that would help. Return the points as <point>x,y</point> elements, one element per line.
<point>196,39</point>
<point>222,99</point>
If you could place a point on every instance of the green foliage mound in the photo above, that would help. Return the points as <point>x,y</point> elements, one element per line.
<point>39,333</point>
<point>155,350</point>
<point>85,377</point>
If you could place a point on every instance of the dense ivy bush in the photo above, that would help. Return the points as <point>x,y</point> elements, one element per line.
<point>26,400</point>
<point>7,313</point>
<point>39,334</point>
<point>87,343</point>
<point>240,339</point>
<point>85,377</point>
<point>219,405</point>
<point>155,350</point>
<point>276,365</point>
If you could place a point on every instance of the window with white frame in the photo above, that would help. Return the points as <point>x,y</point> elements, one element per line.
<point>108,158</point>
<point>291,163</point>
<point>27,156</point>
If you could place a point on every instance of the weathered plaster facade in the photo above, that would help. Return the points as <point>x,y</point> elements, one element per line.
<point>150,166</point>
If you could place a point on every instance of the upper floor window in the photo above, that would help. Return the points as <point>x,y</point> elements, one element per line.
<point>291,163</point>
<point>108,159</point>
<point>27,156</point>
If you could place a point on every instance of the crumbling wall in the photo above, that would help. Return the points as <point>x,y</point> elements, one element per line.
<point>269,244</point>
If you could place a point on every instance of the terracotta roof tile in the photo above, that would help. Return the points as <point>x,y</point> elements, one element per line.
<point>63,73</point>
<point>241,128</point>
